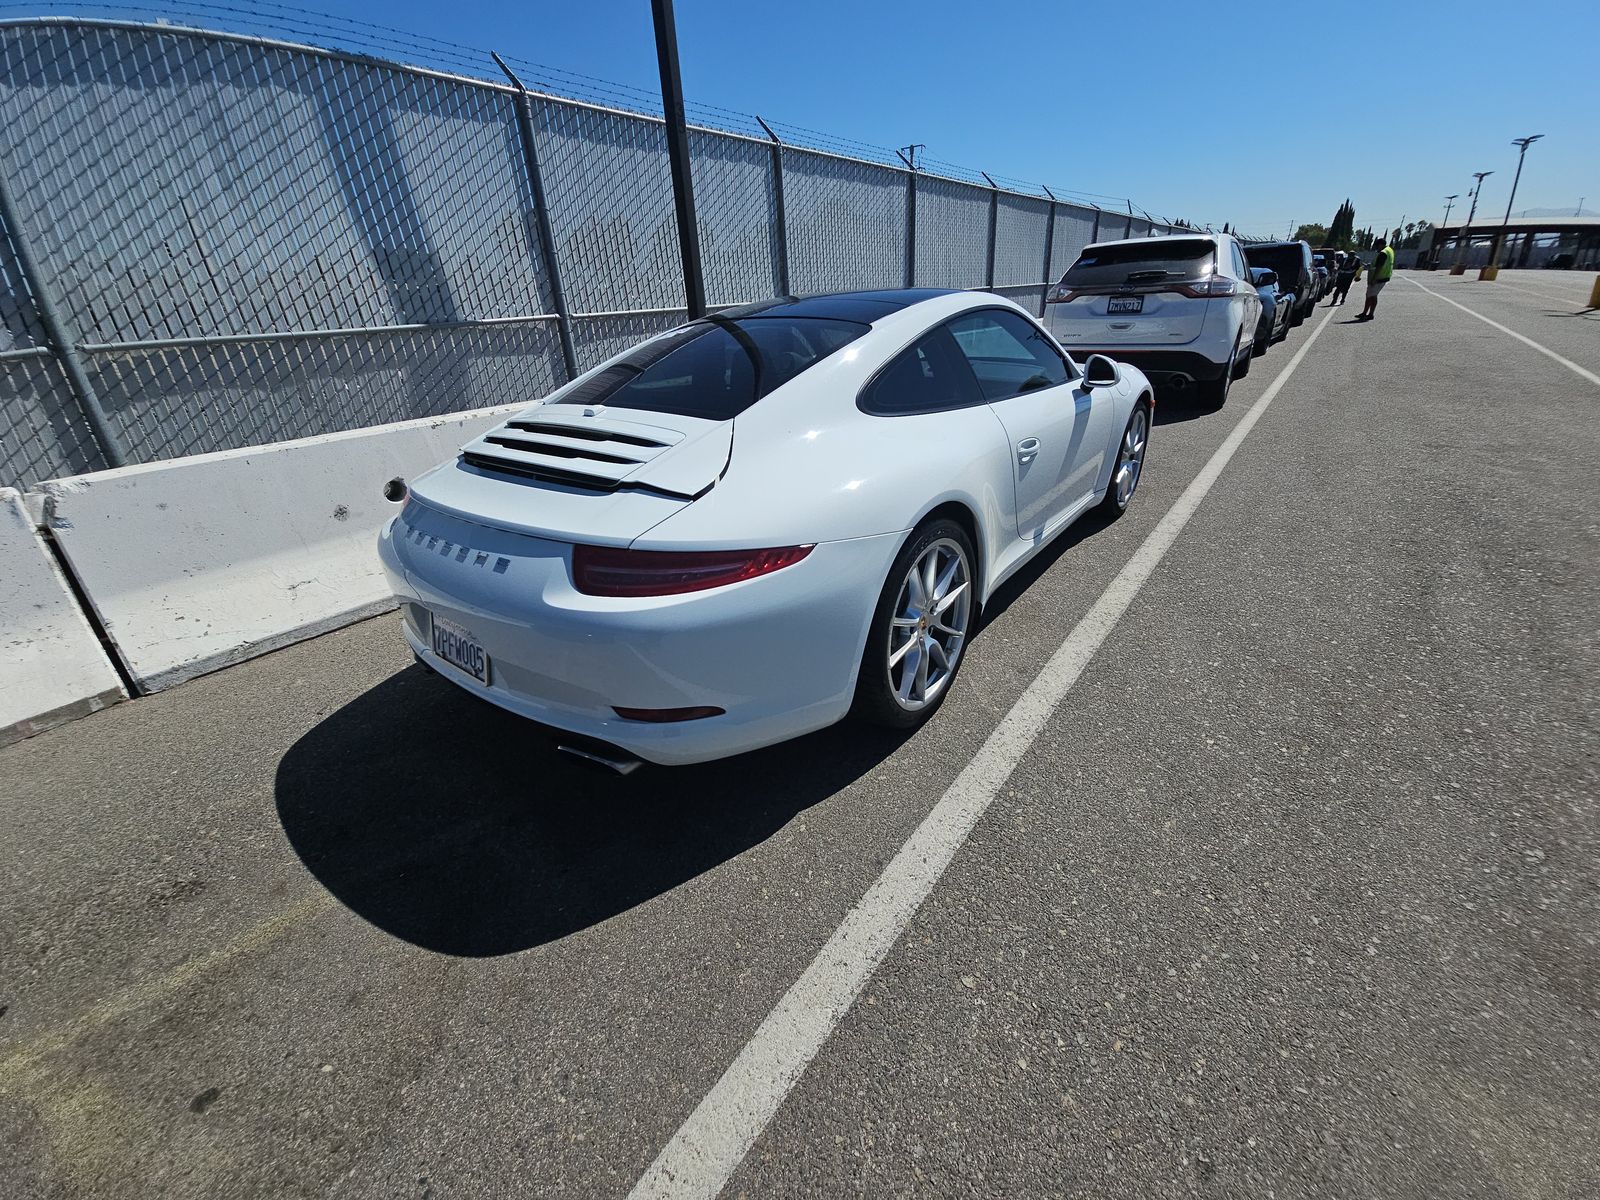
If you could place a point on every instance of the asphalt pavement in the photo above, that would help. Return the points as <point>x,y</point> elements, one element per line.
<point>1297,893</point>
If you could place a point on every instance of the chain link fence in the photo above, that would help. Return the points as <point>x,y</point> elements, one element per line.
<point>213,240</point>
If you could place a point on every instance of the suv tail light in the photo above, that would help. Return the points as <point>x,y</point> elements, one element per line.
<point>1061,295</point>
<point>1217,285</point>
<point>608,571</point>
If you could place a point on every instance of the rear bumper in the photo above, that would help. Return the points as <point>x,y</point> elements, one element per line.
<point>778,654</point>
<point>1156,363</point>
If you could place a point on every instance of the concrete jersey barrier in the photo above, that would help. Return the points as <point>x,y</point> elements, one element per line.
<point>194,564</point>
<point>52,666</point>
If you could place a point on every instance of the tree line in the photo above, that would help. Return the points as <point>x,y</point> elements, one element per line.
<point>1341,233</point>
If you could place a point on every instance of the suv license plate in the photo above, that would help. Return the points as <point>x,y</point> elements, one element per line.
<point>1125,304</point>
<point>460,649</point>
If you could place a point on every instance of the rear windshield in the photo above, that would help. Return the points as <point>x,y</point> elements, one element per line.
<point>1141,262</point>
<point>1287,261</point>
<point>716,368</point>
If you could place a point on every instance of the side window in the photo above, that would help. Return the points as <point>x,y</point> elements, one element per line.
<point>1007,353</point>
<point>928,376</point>
<point>1241,269</point>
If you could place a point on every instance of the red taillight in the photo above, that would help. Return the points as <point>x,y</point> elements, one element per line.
<point>665,716</point>
<point>606,571</point>
<point>1217,285</point>
<point>1061,296</point>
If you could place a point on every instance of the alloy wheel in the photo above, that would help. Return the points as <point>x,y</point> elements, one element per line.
<point>930,624</point>
<point>1130,459</point>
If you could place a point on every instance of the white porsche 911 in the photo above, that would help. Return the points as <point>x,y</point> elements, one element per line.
<point>746,528</point>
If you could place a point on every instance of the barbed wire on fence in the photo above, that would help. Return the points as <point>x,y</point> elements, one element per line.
<point>241,238</point>
<point>266,18</point>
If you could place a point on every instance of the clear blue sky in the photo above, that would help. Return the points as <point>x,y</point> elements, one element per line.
<point>1172,104</point>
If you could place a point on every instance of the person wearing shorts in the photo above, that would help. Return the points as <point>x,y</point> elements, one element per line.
<point>1382,271</point>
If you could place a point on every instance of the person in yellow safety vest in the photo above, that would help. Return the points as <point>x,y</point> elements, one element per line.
<point>1382,271</point>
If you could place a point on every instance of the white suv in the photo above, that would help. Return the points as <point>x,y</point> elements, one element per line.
<point>1180,308</point>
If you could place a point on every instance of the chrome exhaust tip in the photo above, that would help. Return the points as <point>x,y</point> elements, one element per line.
<point>617,761</point>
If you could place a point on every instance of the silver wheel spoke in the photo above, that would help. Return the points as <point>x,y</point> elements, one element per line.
<point>919,594</point>
<point>943,586</point>
<point>943,606</point>
<point>905,648</point>
<point>908,676</point>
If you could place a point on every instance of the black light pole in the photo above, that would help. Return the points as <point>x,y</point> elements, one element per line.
<point>694,284</point>
<point>1449,203</point>
<point>1522,144</point>
<point>1464,243</point>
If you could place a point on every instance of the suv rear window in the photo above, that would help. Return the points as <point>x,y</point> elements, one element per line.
<point>716,368</point>
<point>1288,261</point>
<point>1138,261</point>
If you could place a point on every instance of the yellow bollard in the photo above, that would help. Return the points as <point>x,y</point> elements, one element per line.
<point>1458,269</point>
<point>1489,273</point>
<point>1594,296</point>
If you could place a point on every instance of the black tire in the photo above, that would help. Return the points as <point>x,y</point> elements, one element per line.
<point>1297,318</point>
<point>1134,446</point>
<point>877,699</point>
<point>1215,391</point>
<point>1242,367</point>
<point>1261,344</point>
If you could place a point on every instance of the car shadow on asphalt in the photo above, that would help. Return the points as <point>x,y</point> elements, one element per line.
<point>1029,573</point>
<point>1175,405</point>
<point>459,827</point>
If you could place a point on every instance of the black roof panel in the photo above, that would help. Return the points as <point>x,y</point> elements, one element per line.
<point>840,306</point>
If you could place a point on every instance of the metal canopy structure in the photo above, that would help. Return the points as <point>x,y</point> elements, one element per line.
<point>1530,242</point>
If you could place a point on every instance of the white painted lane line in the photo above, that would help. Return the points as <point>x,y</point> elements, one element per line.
<point>708,1148</point>
<point>1516,287</point>
<point>1527,341</point>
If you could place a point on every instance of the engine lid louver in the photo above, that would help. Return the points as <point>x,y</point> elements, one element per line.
<point>599,453</point>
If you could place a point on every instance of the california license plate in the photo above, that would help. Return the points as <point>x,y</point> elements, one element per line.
<point>460,649</point>
<point>1125,304</point>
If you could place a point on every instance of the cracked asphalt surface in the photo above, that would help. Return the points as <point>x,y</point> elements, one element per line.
<point>1297,895</point>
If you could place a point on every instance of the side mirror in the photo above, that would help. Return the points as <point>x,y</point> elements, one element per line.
<point>1100,371</point>
<point>1267,278</point>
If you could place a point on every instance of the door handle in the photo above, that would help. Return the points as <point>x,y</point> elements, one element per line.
<point>1027,450</point>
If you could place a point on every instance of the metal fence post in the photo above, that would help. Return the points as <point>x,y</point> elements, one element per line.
<point>780,217</point>
<point>994,220</point>
<point>1127,230</point>
<point>1049,251</point>
<point>1095,236</point>
<point>541,212</point>
<point>61,338</point>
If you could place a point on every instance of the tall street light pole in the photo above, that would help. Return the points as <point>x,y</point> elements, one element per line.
<point>1522,145</point>
<point>1449,203</point>
<point>1466,239</point>
<point>694,286</point>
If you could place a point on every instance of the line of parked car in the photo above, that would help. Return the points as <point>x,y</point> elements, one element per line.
<point>774,516</point>
<point>1189,309</point>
